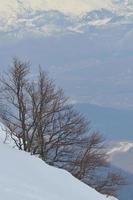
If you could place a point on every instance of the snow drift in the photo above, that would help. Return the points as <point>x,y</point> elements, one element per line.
<point>23,177</point>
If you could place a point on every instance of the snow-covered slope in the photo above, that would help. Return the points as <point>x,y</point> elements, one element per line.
<point>28,178</point>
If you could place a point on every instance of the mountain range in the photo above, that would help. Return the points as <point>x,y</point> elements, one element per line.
<point>85,45</point>
<point>19,18</point>
<point>121,153</point>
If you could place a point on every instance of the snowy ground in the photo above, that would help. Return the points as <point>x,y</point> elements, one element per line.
<point>25,177</point>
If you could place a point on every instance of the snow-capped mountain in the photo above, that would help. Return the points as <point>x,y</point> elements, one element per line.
<point>20,19</point>
<point>44,17</point>
<point>94,34</point>
<point>121,147</point>
<point>122,155</point>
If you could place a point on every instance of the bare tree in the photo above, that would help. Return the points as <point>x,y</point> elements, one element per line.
<point>39,119</point>
<point>37,115</point>
<point>110,184</point>
<point>14,116</point>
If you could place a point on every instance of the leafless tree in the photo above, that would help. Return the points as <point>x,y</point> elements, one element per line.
<point>110,183</point>
<point>39,119</point>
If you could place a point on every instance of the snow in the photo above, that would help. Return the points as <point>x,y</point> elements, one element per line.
<point>121,156</point>
<point>22,18</point>
<point>121,147</point>
<point>99,22</point>
<point>14,8</point>
<point>25,177</point>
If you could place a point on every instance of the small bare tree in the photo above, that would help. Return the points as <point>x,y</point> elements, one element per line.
<point>39,119</point>
<point>14,116</point>
<point>110,183</point>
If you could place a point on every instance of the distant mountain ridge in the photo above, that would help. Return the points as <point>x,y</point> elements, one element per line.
<point>89,42</point>
<point>18,18</point>
<point>122,155</point>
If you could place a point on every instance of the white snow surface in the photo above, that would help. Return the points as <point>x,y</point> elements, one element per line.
<point>25,177</point>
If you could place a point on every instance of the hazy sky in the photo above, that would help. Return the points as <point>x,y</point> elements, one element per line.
<point>10,7</point>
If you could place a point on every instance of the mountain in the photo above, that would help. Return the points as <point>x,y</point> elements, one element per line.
<point>86,46</point>
<point>18,17</point>
<point>122,155</point>
<point>43,18</point>
<point>76,63</point>
<point>126,191</point>
<point>32,179</point>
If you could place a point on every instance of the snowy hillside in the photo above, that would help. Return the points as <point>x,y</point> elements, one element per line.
<point>28,178</point>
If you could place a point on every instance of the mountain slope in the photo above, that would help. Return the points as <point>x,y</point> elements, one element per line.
<point>122,155</point>
<point>28,178</point>
<point>122,158</point>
